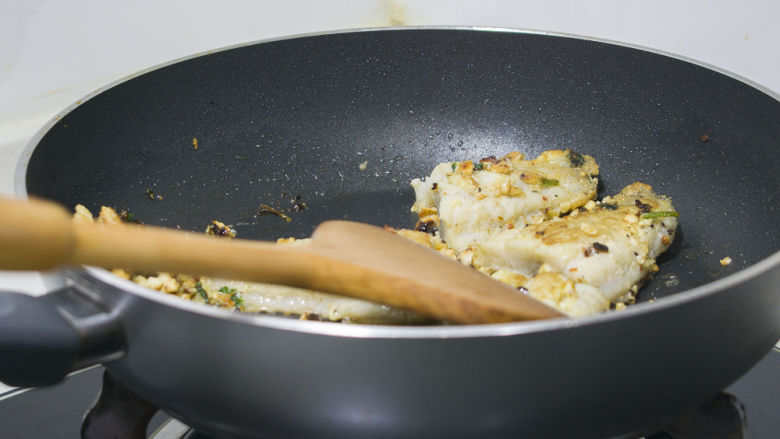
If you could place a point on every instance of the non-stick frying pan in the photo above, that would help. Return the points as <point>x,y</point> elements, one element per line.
<point>298,116</point>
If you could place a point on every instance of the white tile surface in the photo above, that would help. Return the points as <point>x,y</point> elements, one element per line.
<point>54,51</point>
<point>10,151</point>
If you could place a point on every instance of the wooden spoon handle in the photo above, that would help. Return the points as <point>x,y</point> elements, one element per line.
<point>40,235</point>
<point>34,235</point>
<point>150,249</point>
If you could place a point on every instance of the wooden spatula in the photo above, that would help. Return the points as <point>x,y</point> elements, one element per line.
<point>344,257</point>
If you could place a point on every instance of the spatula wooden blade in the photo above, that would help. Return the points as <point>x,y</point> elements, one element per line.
<point>392,269</point>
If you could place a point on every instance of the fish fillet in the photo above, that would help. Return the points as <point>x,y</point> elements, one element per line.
<point>612,247</point>
<point>473,202</point>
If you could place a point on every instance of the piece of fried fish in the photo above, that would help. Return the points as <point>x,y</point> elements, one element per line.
<point>612,246</point>
<point>474,202</point>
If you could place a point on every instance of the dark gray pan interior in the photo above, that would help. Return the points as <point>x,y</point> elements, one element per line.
<point>297,117</point>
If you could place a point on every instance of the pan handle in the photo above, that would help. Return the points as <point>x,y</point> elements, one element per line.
<point>43,339</point>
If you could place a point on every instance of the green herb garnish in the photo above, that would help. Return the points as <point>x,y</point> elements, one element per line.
<point>201,292</point>
<point>479,166</point>
<point>548,182</point>
<point>128,217</point>
<point>454,166</point>
<point>235,296</point>
<point>660,214</point>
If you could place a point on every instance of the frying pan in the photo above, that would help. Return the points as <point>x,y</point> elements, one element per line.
<point>297,117</point>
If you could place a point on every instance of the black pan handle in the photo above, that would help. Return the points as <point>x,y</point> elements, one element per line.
<point>43,339</point>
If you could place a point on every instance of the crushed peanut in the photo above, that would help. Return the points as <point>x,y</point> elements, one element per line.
<point>589,230</point>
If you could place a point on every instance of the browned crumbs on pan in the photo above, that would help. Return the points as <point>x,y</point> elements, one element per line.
<point>183,285</point>
<point>265,209</point>
<point>217,228</point>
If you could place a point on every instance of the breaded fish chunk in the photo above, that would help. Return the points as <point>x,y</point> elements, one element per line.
<point>573,298</point>
<point>313,305</point>
<point>611,247</point>
<point>476,201</point>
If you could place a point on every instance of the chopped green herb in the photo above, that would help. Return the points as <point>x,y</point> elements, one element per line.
<point>237,299</point>
<point>454,166</point>
<point>660,214</point>
<point>479,166</point>
<point>235,296</point>
<point>548,182</point>
<point>128,217</point>
<point>202,292</point>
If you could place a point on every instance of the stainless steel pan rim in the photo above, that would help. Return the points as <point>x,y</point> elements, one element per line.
<point>366,331</point>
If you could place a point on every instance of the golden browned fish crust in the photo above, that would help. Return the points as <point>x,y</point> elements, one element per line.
<point>612,246</point>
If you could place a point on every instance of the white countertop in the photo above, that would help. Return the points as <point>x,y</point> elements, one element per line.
<point>52,52</point>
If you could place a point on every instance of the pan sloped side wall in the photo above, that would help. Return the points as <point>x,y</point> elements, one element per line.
<point>620,378</point>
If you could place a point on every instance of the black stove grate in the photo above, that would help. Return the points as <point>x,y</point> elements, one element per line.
<point>57,412</point>
<point>119,413</point>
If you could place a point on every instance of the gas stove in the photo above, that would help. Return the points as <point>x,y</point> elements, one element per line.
<point>91,404</point>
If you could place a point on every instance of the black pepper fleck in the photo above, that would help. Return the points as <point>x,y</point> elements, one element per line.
<point>428,226</point>
<point>643,208</point>
<point>297,207</point>
<point>576,159</point>
<point>601,248</point>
